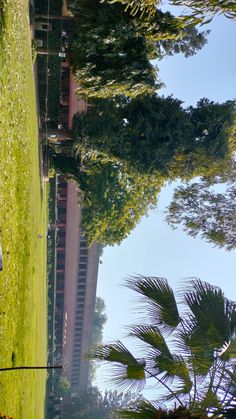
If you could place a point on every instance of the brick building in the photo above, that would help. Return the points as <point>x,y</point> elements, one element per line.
<point>75,287</point>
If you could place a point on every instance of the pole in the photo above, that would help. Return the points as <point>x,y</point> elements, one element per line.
<point>48,367</point>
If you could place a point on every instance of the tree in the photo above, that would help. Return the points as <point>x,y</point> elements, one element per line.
<point>156,134</point>
<point>61,386</point>
<point>188,350</point>
<point>206,10</point>
<point>124,150</point>
<point>189,41</point>
<point>99,321</point>
<point>114,196</point>
<point>93,405</point>
<point>110,47</point>
<point>203,211</point>
<point>201,9</point>
<point>145,6</point>
<point>107,54</point>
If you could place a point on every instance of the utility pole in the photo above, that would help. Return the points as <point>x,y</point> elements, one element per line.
<point>48,367</point>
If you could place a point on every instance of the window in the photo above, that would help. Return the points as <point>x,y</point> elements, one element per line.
<point>61,211</point>
<point>84,252</point>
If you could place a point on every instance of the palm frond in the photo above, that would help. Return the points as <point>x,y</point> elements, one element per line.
<point>208,401</point>
<point>192,343</point>
<point>214,314</point>
<point>129,372</point>
<point>229,350</point>
<point>143,410</point>
<point>151,336</point>
<point>159,358</point>
<point>160,299</point>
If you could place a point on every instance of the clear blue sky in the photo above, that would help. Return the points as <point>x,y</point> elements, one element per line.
<point>153,248</point>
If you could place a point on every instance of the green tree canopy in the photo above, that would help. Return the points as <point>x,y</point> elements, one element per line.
<point>99,321</point>
<point>187,349</point>
<point>189,41</point>
<point>124,151</point>
<point>115,198</point>
<point>204,11</point>
<point>93,405</point>
<point>203,211</point>
<point>110,47</point>
<point>156,134</point>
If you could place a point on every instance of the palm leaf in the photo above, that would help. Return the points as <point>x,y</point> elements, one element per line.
<point>229,351</point>
<point>151,336</point>
<point>208,401</point>
<point>214,314</point>
<point>159,358</point>
<point>192,344</point>
<point>129,372</point>
<point>162,306</point>
<point>143,410</point>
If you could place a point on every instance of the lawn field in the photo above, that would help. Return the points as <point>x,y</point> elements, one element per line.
<point>22,223</point>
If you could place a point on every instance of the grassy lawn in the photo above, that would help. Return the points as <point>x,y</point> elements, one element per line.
<point>22,223</point>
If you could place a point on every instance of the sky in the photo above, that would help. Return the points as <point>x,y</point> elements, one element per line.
<point>153,248</point>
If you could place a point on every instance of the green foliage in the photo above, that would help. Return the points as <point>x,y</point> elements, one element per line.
<point>115,199</point>
<point>34,51</point>
<point>107,53</point>
<point>99,320</point>
<point>201,10</point>
<point>157,135</point>
<point>126,149</point>
<point>111,47</point>
<point>204,11</point>
<point>93,405</point>
<point>61,386</point>
<point>203,211</point>
<point>191,363</point>
<point>188,42</point>
<point>146,7</point>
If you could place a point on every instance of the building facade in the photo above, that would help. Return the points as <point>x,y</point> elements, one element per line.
<point>75,287</point>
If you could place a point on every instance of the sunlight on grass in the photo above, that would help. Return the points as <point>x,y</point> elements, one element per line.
<point>22,220</point>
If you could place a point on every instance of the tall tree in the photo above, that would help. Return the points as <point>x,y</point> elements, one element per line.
<point>99,321</point>
<point>107,54</point>
<point>156,134</point>
<point>126,149</point>
<point>203,211</point>
<point>188,350</point>
<point>110,47</point>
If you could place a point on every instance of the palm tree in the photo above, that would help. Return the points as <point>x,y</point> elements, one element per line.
<point>188,351</point>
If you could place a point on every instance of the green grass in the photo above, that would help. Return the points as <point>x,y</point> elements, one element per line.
<point>22,220</point>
